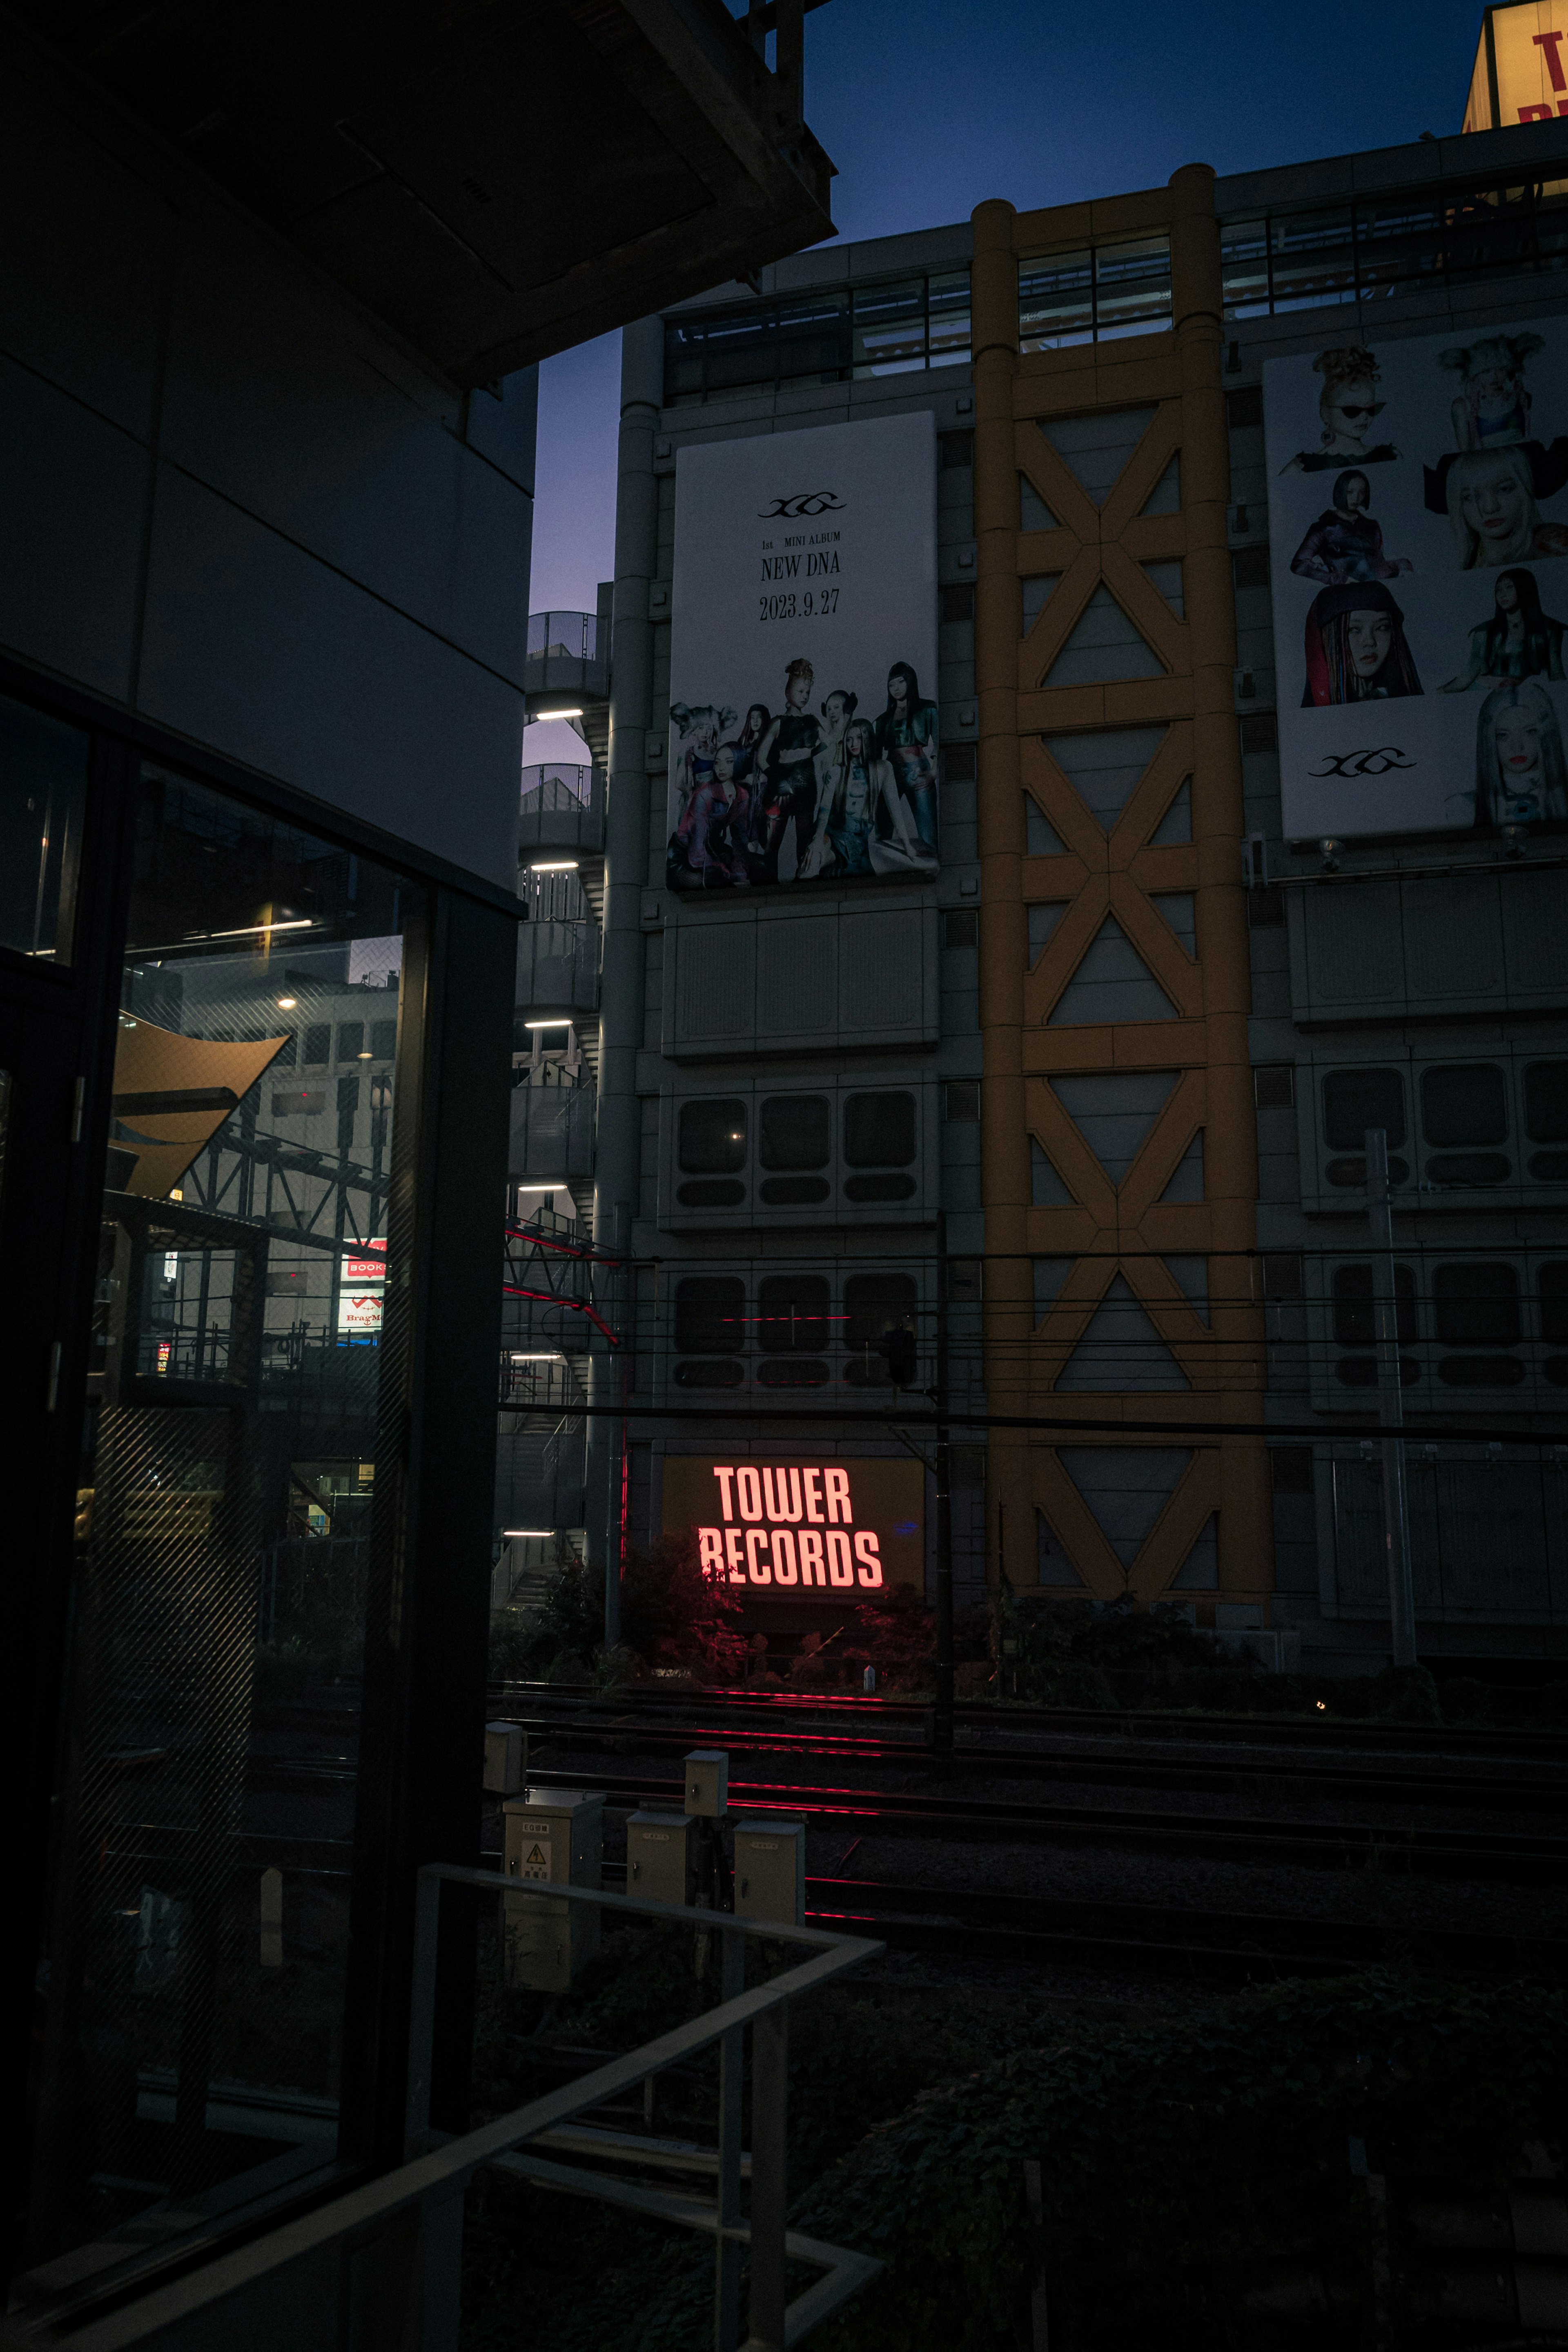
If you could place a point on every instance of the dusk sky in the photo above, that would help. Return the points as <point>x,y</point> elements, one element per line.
<point>927,110</point>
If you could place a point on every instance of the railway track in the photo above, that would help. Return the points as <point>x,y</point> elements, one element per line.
<point>1496,1791</point>
<point>1457,1740</point>
<point>1428,1854</point>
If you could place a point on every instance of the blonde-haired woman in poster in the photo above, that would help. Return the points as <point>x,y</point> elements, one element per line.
<point>863,822</point>
<point>1493,512</point>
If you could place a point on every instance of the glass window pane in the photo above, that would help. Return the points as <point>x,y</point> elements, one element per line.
<point>879,1129</point>
<point>740,347</point>
<point>43,795</point>
<point>710,1314</point>
<point>1476,1304</point>
<point>1554,1303</point>
<point>1354,1101</point>
<point>793,1316</point>
<point>1546,1102</point>
<point>713,1138</point>
<point>1397,238</point>
<point>1313,259</point>
<point>1132,287</point>
<point>889,328</point>
<point>1056,301</point>
<point>795,1131</point>
<point>947,317</point>
<point>1244,268</point>
<point>813,337</point>
<point>1492,228</point>
<point>231,1454</point>
<point>1464,1102</point>
<point>1356,1306</point>
<point>876,1304</point>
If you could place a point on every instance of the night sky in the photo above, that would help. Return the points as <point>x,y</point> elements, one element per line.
<point>927,110</point>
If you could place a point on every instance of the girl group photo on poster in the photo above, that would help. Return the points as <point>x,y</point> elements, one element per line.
<point>1415,545</point>
<point>811,788</point>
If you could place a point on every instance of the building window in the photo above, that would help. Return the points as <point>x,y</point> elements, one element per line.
<point>1093,295</point>
<point>1355,1306</point>
<point>874,1305</point>
<point>880,1133</point>
<point>1381,245</point>
<point>795,1134</point>
<point>825,337</point>
<point>1354,1101</point>
<point>710,1314</point>
<point>1476,1304</point>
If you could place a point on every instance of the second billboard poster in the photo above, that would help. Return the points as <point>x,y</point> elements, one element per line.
<point>804,731</point>
<point>1418,515</point>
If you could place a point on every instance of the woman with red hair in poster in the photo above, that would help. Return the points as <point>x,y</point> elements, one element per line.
<point>1356,647</point>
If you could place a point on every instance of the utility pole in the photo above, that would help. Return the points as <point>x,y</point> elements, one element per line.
<point>1390,1402</point>
<point>942,1714</point>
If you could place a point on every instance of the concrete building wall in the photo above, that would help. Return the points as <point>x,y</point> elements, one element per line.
<point>687,985</point>
<point>237,508</point>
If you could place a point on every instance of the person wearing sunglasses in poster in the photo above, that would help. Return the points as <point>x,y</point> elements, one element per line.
<point>1347,404</point>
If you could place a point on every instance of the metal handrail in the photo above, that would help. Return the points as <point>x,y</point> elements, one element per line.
<point>774,2325</point>
<point>412,2218</point>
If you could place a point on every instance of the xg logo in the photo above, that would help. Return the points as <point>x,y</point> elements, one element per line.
<point>801,505</point>
<point>1362,763</point>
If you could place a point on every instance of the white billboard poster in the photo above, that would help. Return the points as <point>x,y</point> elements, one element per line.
<point>803,722</point>
<point>1418,522</point>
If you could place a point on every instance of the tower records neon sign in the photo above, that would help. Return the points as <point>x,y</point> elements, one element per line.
<point>793,1531</point>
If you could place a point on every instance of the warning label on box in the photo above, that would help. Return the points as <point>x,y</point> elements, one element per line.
<point>535,1862</point>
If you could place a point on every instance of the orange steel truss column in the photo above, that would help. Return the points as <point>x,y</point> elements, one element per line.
<point>1107,1233</point>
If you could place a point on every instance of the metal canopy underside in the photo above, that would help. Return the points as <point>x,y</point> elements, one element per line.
<point>497,179</point>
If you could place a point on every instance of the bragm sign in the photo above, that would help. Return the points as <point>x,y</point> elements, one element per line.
<point>801,1529</point>
<point>1418,528</point>
<point>803,728</point>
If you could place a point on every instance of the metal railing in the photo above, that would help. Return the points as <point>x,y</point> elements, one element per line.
<point>566,656</point>
<point>382,2265</point>
<point>561,807</point>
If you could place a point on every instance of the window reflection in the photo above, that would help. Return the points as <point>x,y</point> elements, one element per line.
<point>194,1977</point>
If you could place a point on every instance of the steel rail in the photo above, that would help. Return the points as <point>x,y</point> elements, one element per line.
<point>1462,1740</point>
<point>1498,1792</point>
<point>1432,1854</point>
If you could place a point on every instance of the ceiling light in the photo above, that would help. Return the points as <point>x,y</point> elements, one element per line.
<point>286,1003</point>
<point>547,1025</point>
<point>528,1531</point>
<point>557,1359</point>
<point>553,865</point>
<point>557,1184</point>
<point>537,718</point>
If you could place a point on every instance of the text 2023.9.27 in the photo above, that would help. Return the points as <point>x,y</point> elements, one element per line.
<point>810,602</point>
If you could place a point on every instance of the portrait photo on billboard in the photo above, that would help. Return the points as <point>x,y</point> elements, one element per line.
<point>804,730</point>
<point>1418,530</point>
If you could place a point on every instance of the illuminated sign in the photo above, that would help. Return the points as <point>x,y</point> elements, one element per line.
<point>359,1311</point>
<point>357,1271</point>
<point>803,728</point>
<point>795,1529</point>
<point>1522,65</point>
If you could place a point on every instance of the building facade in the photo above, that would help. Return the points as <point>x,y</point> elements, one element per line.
<point>1144,1006</point>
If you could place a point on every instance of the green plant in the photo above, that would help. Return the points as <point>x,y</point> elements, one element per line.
<point>672,1614</point>
<point>1186,2164</point>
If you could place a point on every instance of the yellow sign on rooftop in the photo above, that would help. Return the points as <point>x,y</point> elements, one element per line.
<point>1521,71</point>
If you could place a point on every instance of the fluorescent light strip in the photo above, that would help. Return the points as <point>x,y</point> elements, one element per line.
<point>538,1532</point>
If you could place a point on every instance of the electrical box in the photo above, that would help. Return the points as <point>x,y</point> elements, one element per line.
<point>770,1872</point>
<point>550,1835</point>
<point>707,1783</point>
<point>661,1857</point>
<point>503,1759</point>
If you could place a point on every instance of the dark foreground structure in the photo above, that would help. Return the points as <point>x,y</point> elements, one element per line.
<point>266,362</point>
